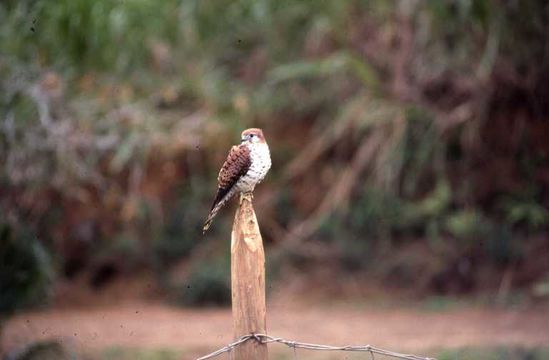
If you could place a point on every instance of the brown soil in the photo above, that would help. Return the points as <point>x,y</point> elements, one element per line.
<point>145,325</point>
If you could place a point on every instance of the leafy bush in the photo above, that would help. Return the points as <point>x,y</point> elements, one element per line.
<point>46,350</point>
<point>208,284</point>
<point>183,226</point>
<point>26,270</point>
<point>84,35</point>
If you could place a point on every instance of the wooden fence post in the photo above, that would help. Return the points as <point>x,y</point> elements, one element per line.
<point>248,281</point>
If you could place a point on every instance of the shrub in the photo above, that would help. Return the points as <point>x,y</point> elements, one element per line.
<point>207,284</point>
<point>26,270</point>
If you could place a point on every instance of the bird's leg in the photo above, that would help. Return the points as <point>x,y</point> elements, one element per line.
<point>247,195</point>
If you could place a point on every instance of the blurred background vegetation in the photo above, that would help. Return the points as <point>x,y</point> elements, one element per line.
<point>409,142</point>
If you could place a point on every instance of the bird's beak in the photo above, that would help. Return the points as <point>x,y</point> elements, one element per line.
<point>244,138</point>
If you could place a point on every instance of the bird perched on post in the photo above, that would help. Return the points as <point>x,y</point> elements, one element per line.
<point>245,167</point>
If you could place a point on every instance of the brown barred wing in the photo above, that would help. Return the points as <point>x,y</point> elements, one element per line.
<point>237,165</point>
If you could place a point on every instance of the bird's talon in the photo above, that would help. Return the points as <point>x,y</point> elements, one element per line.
<point>248,196</point>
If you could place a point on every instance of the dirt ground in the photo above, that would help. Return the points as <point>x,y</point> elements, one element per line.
<point>149,325</point>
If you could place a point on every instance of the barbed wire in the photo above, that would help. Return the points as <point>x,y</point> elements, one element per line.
<point>265,339</point>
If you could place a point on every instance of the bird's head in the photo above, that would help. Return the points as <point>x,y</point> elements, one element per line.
<point>253,136</point>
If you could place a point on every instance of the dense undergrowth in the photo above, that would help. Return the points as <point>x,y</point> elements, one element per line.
<point>409,139</point>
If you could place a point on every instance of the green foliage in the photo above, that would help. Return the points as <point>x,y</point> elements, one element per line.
<point>25,270</point>
<point>420,153</point>
<point>375,217</point>
<point>541,289</point>
<point>179,235</point>
<point>136,79</point>
<point>46,350</point>
<point>472,230</point>
<point>83,34</point>
<point>466,224</point>
<point>125,245</point>
<point>182,230</point>
<point>501,246</point>
<point>525,211</point>
<point>208,284</point>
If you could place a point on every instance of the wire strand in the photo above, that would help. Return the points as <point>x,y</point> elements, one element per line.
<point>266,339</point>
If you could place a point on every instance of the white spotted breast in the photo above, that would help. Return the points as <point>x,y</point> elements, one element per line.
<point>260,165</point>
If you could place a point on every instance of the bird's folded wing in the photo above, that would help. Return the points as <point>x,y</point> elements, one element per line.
<point>237,164</point>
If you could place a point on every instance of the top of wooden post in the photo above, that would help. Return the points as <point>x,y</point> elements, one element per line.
<point>245,226</point>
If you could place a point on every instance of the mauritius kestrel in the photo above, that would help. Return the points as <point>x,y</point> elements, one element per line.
<point>245,167</point>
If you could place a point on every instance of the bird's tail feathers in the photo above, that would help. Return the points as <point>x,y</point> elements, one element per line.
<point>215,210</point>
<point>207,224</point>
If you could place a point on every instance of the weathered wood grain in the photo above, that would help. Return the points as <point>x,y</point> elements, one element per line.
<point>248,281</point>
